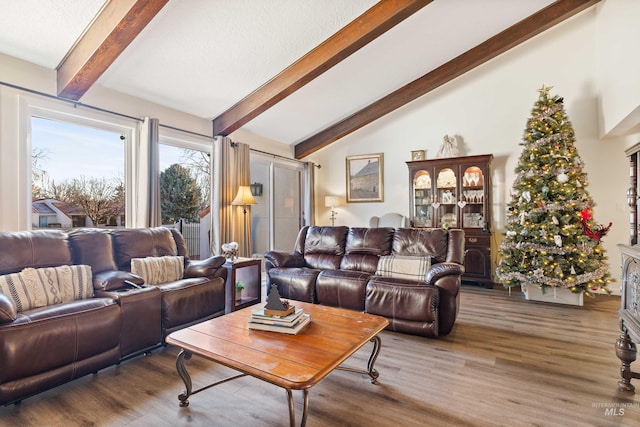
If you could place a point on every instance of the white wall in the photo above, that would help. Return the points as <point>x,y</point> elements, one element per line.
<point>487,109</point>
<point>619,65</point>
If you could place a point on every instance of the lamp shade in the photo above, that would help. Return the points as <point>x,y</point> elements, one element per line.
<point>332,201</point>
<point>244,196</point>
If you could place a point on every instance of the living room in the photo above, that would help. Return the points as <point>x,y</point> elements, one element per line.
<point>588,59</point>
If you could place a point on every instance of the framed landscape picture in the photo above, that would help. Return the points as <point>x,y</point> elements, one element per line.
<point>365,181</point>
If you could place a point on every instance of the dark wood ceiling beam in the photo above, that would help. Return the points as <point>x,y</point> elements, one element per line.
<point>376,21</point>
<point>117,24</point>
<point>496,45</point>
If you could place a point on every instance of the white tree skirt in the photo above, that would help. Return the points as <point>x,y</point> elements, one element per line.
<point>553,294</point>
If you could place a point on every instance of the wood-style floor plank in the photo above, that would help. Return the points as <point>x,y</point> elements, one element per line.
<point>508,362</point>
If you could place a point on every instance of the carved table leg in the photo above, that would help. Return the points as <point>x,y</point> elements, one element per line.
<point>182,371</point>
<point>377,343</point>
<point>626,352</point>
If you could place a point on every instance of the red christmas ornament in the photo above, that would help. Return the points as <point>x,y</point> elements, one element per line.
<point>596,232</point>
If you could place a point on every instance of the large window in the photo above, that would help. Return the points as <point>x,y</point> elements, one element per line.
<point>185,188</point>
<point>78,175</point>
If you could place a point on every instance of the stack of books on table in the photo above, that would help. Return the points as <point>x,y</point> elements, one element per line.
<point>290,324</point>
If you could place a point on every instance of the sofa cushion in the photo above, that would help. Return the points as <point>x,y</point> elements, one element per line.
<point>141,243</point>
<point>360,262</point>
<point>404,267</point>
<point>323,261</point>
<point>41,287</point>
<point>42,248</point>
<point>370,241</point>
<point>294,283</point>
<point>341,288</point>
<point>94,247</point>
<point>158,270</point>
<point>421,242</point>
<point>325,240</point>
<point>324,247</point>
<point>363,248</point>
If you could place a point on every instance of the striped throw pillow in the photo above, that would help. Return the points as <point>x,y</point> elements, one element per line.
<point>40,287</point>
<point>403,267</point>
<point>158,270</point>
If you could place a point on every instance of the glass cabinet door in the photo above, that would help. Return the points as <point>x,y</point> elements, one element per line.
<point>447,198</point>
<point>473,198</point>
<point>422,199</point>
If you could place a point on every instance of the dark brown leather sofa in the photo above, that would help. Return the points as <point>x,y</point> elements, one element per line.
<point>337,266</point>
<point>44,347</point>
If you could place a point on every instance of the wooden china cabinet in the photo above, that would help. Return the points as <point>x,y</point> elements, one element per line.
<point>455,192</point>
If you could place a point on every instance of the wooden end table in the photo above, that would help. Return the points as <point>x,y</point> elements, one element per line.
<point>293,362</point>
<point>248,271</point>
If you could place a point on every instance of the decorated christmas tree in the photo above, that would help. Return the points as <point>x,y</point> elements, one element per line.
<point>551,239</point>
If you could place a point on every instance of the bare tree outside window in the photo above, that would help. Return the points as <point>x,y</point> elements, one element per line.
<point>199,164</point>
<point>77,175</point>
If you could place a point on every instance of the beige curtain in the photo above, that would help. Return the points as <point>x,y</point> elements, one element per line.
<point>147,176</point>
<point>310,194</point>
<point>231,170</point>
<point>154,215</point>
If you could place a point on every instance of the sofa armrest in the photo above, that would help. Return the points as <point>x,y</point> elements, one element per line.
<point>443,269</point>
<point>285,259</point>
<point>8,311</point>
<point>447,277</point>
<point>110,280</point>
<point>208,267</point>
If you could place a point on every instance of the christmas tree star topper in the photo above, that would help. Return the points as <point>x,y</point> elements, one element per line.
<point>545,89</point>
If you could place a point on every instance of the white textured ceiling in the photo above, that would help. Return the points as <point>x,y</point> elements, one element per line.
<point>43,31</point>
<point>203,56</point>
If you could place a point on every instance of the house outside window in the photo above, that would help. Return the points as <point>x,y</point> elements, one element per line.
<point>78,173</point>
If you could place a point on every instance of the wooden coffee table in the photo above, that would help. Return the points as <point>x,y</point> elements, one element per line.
<point>293,362</point>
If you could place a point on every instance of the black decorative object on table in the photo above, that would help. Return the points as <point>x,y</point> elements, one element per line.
<point>276,306</point>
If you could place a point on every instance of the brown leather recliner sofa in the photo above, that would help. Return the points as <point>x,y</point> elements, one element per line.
<point>43,347</point>
<point>337,266</point>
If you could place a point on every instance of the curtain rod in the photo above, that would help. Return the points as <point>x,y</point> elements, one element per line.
<point>70,101</point>
<point>276,155</point>
<point>186,131</point>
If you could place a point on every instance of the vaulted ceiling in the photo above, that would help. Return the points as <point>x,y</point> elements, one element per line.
<point>303,72</point>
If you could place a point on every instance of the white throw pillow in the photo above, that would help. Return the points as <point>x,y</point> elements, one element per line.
<point>40,287</point>
<point>403,267</point>
<point>158,270</point>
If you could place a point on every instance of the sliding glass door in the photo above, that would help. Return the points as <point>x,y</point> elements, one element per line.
<point>287,209</point>
<point>277,216</point>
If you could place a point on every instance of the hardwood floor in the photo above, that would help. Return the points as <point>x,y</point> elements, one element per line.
<point>508,362</point>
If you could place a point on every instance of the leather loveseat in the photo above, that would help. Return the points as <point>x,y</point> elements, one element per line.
<point>342,267</point>
<point>48,345</point>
